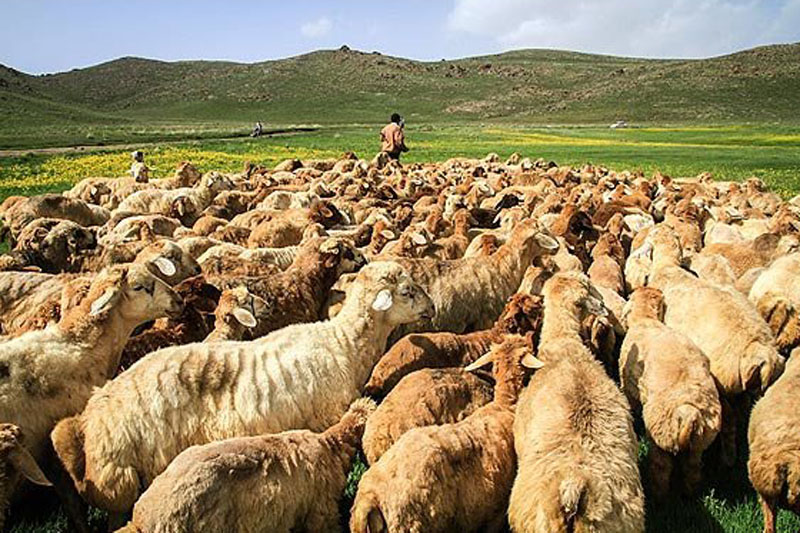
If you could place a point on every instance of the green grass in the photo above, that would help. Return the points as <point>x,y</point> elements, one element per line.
<point>141,99</point>
<point>731,151</point>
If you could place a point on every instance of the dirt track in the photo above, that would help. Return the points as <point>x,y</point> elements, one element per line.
<point>132,146</point>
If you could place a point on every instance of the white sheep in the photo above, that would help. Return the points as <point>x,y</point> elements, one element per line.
<point>302,376</point>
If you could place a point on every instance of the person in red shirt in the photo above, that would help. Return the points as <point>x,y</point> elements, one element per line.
<point>393,139</point>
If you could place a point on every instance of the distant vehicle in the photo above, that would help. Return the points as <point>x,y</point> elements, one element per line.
<point>619,124</point>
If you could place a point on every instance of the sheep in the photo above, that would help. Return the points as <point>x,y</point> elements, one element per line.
<point>22,293</point>
<point>238,316</point>
<point>750,254</point>
<point>576,457</point>
<point>776,295</point>
<point>454,246</point>
<point>132,229</point>
<point>299,293</point>
<point>453,477</point>
<point>187,203</point>
<point>722,323</point>
<point>49,245</point>
<point>232,389</point>
<point>521,315</point>
<point>57,206</point>
<point>774,463</point>
<point>469,294</point>
<point>606,268</point>
<point>667,377</point>
<point>427,397</point>
<point>285,228</point>
<point>48,375</point>
<point>291,481</point>
<point>193,324</point>
<point>744,357</point>
<point>167,261</point>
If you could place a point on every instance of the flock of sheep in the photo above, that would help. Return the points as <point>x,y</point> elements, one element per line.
<point>207,351</point>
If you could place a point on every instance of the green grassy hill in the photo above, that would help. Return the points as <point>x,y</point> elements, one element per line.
<point>346,86</point>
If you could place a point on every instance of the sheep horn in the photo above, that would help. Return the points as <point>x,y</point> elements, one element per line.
<point>531,361</point>
<point>483,360</point>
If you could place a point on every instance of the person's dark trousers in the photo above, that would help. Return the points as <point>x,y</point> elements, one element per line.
<point>394,156</point>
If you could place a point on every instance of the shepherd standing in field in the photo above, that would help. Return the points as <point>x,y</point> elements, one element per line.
<point>393,138</point>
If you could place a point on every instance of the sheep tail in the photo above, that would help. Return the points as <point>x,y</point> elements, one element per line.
<point>68,441</point>
<point>775,474</point>
<point>367,517</point>
<point>571,492</point>
<point>689,420</point>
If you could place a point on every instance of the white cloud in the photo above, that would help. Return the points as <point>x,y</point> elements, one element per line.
<point>317,28</point>
<point>662,28</point>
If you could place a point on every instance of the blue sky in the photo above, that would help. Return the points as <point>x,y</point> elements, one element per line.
<point>53,35</point>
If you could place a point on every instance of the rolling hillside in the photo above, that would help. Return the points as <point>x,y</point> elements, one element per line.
<point>346,86</point>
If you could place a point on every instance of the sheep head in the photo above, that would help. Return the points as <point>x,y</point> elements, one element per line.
<point>645,302</point>
<point>133,292</point>
<point>526,236</point>
<point>168,262</point>
<point>240,312</point>
<point>574,292</point>
<point>341,255</point>
<point>392,294</point>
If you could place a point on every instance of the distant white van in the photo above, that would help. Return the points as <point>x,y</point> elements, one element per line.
<point>619,124</point>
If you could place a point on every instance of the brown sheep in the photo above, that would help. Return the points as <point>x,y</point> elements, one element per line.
<point>299,293</point>
<point>427,397</point>
<point>15,460</point>
<point>240,315</point>
<point>193,324</point>
<point>667,377</point>
<point>285,228</point>
<point>521,315</point>
<point>453,477</point>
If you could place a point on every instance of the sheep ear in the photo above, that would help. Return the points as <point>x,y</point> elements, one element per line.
<point>244,317</point>
<point>22,460</point>
<point>93,191</point>
<point>383,301</point>
<point>483,360</point>
<point>419,238</point>
<point>165,266</point>
<point>104,302</point>
<point>181,207</point>
<point>595,307</point>
<point>531,361</point>
<point>546,241</point>
<point>388,234</point>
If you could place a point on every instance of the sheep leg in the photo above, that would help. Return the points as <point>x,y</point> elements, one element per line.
<point>768,509</point>
<point>728,433</point>
<point>659,465</point>
<point>692,470</point>
<point>74,506</point>
<point>116,521</point>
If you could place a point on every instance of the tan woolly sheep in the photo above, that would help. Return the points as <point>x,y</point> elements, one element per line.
<point>428,397</point>
<point>774,464</point>
<point>573,432</point>
<point>287,482</point>
<point>667,377</point>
